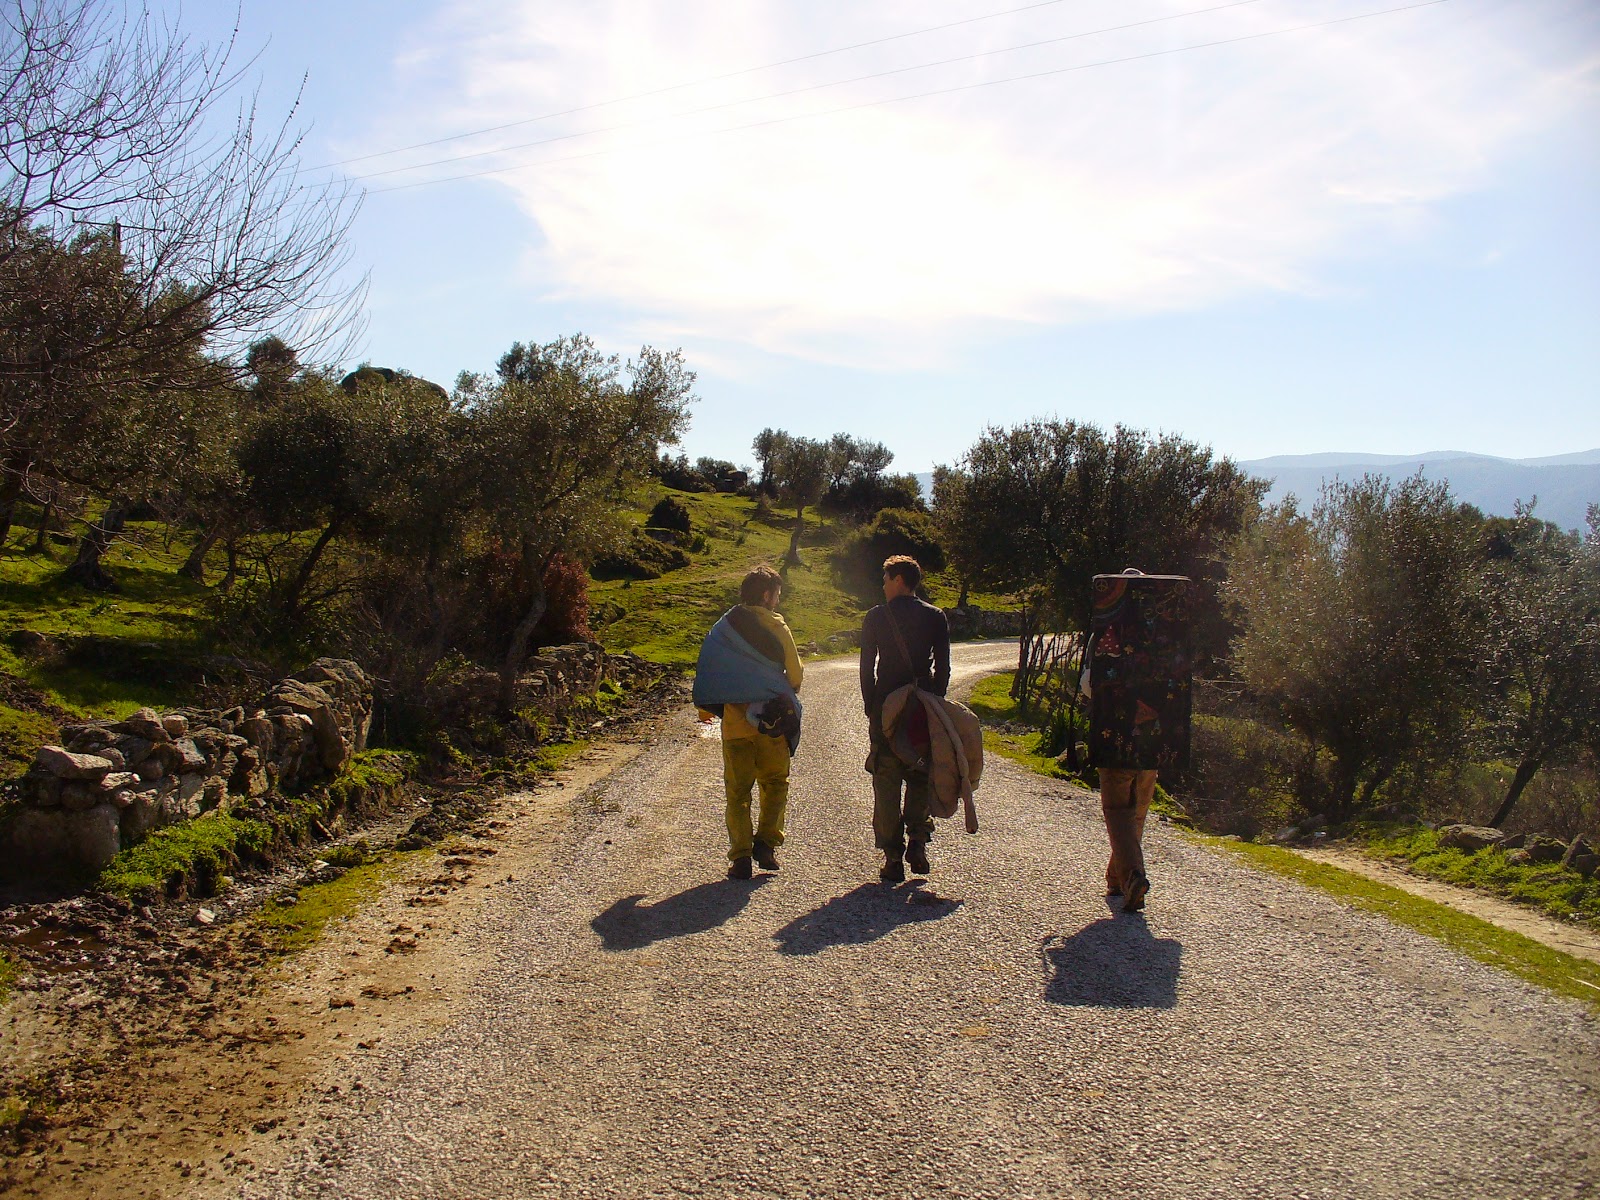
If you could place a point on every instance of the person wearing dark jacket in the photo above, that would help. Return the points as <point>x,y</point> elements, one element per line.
<point>903,640</point>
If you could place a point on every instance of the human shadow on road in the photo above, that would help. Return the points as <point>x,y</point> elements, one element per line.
<point>630,925</point>
<point>862,915</point>
<point>1113,963</point>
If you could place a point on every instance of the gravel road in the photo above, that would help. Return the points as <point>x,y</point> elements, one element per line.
<point>644,1028</point>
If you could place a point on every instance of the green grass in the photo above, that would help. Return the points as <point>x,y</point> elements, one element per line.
<point>193,856</point>
<point>8,977</point>
<point>298,925</point>
<point>21,733</point>
<point>991,700</point>
<point>553,757</point>
<point>369,771</point>
<point>665,619</point>
<point>190,856</point>
<point>1522,956</point>
<point>155,605</point>
<point>1549,887</point>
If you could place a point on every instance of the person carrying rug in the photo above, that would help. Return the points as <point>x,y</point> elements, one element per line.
<point>748,673</point>
<point>1139,683</point>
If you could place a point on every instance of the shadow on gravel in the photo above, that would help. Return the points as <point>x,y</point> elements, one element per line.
<point>1113,963</point>
<point>629,925</point>
<point>862,915</point>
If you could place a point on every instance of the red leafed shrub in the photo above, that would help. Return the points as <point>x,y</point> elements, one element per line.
<point>504,594</point>
<point>566,585</point>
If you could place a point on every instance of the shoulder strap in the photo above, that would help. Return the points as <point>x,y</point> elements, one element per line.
<point>900,640</point>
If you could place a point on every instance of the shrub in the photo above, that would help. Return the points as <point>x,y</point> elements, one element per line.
<point>1244,775</point>
<point>669,513</point>
<point>892,531</point>
<point>641,558</point>
<point>566,585</point>
<point>676,473</point>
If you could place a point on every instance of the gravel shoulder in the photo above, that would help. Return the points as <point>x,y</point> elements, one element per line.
<point>623,1022</point>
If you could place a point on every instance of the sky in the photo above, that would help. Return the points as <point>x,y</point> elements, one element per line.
<point>1274,227</point>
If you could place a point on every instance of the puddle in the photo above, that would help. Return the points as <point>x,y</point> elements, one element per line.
<point>51,949</point>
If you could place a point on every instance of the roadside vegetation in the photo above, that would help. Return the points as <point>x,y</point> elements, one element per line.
<point>296,920</point>
<point>1522,956</point>
<point>1551,887</point>
<point>1384,656</point>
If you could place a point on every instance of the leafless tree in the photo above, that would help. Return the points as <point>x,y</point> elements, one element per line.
<point>164,222</point>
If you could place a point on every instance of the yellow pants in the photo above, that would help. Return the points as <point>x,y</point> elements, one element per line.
<point>747,762</point>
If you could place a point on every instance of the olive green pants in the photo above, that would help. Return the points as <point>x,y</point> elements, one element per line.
<point>896,822</point>
<point>746,764</point>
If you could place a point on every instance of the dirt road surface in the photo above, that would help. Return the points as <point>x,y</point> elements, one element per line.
<point>633,1025</point>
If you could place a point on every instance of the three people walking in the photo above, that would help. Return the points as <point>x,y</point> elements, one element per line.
<point>926,752</point>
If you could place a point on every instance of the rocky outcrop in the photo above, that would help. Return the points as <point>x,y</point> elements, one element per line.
<point>111,782</point>
<point>1468,837</point>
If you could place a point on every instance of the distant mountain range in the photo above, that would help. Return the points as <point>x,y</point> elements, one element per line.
<point>1566,484</point>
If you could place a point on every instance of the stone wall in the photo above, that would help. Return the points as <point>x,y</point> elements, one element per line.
<point>550,681</point>
<point>975,622</point>
<point>969,622</point>
<point>112,782</point>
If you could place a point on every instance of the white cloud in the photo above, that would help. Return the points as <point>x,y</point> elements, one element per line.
<point>888,236</point>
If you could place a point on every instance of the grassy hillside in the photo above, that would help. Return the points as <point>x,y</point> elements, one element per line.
<point>156,613</point>
<point>664,619</point>
<point>110,653</point>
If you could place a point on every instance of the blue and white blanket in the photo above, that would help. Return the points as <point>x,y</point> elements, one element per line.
<point>732,671</point>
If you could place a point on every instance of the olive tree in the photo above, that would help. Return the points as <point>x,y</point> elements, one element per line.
<point>558,434</point>
<point>1541,599</point>
<point>1041,508</point>
<point>1360,627</point>
<point>801,470</point>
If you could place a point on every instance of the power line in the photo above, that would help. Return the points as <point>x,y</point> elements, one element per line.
<point>812,87</point>
<point>676,87</point>
<point>966,87</point>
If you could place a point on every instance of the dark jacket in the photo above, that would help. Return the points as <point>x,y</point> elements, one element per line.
<point>884,668</point>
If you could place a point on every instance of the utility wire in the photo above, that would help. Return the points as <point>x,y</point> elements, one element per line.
<point>966,87</point>
<point>677,87</point>
<point>811,87</point>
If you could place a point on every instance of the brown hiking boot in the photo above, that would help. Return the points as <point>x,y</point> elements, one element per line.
<point>1137,889</point>
<point>765,858</point>
<point>740,868</point>
<point>893,870</point>
<point>917,858</point>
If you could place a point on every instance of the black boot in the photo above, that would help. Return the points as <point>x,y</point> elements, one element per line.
<point>917,858</point>
<point>740,868</point>
<point>893,870</point>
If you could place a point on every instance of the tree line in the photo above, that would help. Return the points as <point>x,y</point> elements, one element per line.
<point>1393,632</point>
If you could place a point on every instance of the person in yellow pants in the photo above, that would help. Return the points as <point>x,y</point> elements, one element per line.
<point>751,760</point>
